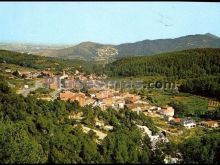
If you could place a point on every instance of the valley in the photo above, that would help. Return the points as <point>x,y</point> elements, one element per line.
<point>102,112</point>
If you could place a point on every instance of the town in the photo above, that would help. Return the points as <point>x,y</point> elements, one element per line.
<point>93,90</point>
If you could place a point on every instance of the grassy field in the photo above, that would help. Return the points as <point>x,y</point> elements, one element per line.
<point>187,133</point>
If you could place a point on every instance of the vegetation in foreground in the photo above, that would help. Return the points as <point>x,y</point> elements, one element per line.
<point>37,131</point>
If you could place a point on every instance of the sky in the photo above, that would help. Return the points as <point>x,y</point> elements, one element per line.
<point>105,22</point>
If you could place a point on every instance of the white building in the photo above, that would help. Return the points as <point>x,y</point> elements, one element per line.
<point>121,105</point>
<point>168,111</point>
<point>188,123</point>
<point>8,70</point>
<point>26,86</point>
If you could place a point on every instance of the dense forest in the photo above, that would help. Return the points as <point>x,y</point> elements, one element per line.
<point>183,64</point>
<point>42,63</point>
<point>37,131</point>
<point>206,86</point>
<point>200,67</point>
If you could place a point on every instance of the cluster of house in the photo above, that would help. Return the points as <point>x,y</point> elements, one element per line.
<point>104,98</point>
<point>30,74</point>
<point>109,98</point>
<point>69,82</point>
<point>190,123</point>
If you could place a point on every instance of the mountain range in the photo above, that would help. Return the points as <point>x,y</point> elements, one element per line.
<point>107,52</point>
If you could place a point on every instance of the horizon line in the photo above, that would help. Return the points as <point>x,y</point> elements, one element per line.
<point>73,44</point>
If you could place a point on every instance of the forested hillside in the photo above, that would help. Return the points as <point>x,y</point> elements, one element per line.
<point>191,64</point>
<point>39,62</point>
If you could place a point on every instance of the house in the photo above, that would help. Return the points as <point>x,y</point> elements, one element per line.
<point>92,90</point>
<point>108,102</point>
<point>92,95</point>
<point>8,70</point>
<point>69,83</point>
<point>167,112</point>
<point>26,74</point>
<point>36,74</point>
<point>46,73</point>
<point>104,94</point>
<point>120,104</point>
<point>99,123</point>
<point>134,107</point>
<point>102,106</point>
<point>66,95</point>
<point>101,95</point>
<point>108,127</point>
<point>54,86</point>
<point>76,72</point>
<point>137,109</point>
<point>80,97</point>
<point>177,120</point>
<point>89,101</point>
<point>64,75</point>
<point>131,106</point>
<point>210,124</point>
<point>53,83</point>
<point>155,108</point>
<point>26,86</point>
<point>129,98</point>
<point>188,123</point>
<point>76,116</point>
<point>91,77</point>
<point>104,103</point>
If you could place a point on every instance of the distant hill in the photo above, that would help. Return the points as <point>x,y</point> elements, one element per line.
<point>92,51</point>
<point>84,50</point>
<point>89,51</point>
<point>149,47</point>
<point>30,48</point>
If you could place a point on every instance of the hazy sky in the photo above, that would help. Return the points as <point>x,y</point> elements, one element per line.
<point>105,22</point>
